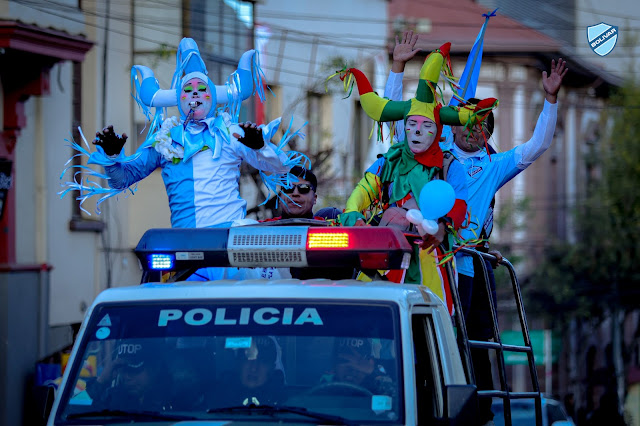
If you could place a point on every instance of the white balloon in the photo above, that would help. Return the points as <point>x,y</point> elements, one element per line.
<point>430,226</point>
<point>425,226</point>
<point>414,216</point>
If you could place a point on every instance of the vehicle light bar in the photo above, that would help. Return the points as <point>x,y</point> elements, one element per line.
<point>274,246</point>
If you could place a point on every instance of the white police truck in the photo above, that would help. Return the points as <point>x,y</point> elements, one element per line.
<point>256,350</point>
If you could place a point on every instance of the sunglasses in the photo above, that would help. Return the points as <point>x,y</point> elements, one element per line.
<point>303,188</point>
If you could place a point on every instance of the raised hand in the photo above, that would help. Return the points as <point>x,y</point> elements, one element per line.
<point>404,50</point>
<point>553,81</point>
<point>252,136</point>
<point>110,141</point>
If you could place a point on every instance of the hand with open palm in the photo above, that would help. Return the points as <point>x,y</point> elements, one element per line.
<point>404,51</point>
<point>553,81</point>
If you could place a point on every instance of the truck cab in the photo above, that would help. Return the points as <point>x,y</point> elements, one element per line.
<point>313,351</point>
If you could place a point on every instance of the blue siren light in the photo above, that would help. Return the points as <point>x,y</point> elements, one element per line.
<point>161,261</point>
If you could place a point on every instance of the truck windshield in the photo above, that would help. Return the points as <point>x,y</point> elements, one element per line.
<point>294,361</point>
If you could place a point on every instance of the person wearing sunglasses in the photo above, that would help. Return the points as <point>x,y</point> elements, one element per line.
<point>300,197</point>
<point>298,201</point>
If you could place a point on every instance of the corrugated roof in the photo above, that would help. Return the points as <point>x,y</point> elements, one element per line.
<point>459,21</point>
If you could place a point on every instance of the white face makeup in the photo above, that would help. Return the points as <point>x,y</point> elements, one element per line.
<point>196,96</point>
<point>421,132</point>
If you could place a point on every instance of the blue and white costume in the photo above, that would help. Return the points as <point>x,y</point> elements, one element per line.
<point>203,191</point>
<point>200,158</point>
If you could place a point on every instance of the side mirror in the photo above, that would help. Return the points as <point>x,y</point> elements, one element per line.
<point>461,404</point>
<point>44,397</point>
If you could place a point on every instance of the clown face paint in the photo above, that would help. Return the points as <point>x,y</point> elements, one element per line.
<point>196,96</point>
<point>421,132</point>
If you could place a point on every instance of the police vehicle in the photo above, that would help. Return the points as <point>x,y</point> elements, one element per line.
<point>260,350</point>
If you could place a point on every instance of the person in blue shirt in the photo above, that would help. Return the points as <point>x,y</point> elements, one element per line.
<point>485,175</point>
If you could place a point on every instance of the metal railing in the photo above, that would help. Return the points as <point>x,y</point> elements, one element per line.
<point>465,344</point>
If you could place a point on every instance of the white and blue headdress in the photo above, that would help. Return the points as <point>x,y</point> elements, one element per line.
<point>241,84</point>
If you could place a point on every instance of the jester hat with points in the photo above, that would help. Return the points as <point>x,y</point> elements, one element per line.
<point>426,103</point>
<point>240,85</point>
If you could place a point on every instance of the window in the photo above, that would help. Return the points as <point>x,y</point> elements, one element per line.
<point>320,122</point>
<point>332,359</point>
<point>79,220</point>
<point>426,389</point>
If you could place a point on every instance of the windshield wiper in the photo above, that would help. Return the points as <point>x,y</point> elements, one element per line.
<point>154,415</point>
<point>270,410</point>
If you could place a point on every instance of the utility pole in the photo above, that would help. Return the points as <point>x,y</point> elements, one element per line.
<point>616,341</point>
<point>548,364</point>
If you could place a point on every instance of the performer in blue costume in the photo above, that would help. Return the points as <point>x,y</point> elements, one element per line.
<point>200,154</point>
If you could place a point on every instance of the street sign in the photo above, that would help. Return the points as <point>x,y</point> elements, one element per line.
<point>510,337</point>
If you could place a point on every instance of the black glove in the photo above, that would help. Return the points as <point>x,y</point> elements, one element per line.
<point>110,141</point>
<point>252,136</point>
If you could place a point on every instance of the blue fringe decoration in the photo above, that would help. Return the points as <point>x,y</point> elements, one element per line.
<point>294,158</point>
<point>83,182</point>
<point>258,77</point>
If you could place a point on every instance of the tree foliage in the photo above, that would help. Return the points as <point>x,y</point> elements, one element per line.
<point>603,266</point>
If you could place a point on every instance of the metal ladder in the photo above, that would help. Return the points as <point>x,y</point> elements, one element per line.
<point>465,344</point>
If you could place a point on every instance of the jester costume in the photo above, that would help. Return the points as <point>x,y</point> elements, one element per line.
<point>397,178</point>
<point>199,157</point>
<point>486,174</point>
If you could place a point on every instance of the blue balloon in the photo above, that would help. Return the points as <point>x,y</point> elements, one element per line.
<point>436,199</point>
